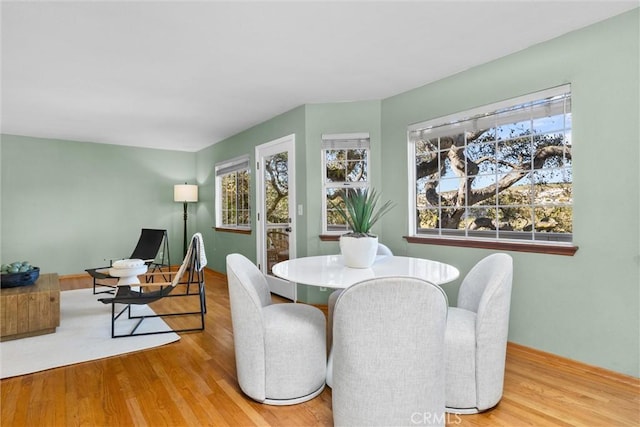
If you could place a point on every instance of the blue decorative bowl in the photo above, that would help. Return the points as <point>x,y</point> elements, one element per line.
<point>11,280</point>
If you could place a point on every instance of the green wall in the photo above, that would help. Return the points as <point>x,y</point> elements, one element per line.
<point>67,206</point>
<point>584,307</point>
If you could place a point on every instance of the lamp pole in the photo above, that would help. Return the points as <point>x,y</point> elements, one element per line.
<point>185,193</point>
<point>184,244</point>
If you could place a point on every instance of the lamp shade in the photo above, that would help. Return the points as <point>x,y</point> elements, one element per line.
<point>185,193</point>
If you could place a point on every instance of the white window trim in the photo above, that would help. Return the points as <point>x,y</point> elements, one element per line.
<point>224,168</point>
<point>481,111</point>
<point>345,141</point>
<point>431,127</point>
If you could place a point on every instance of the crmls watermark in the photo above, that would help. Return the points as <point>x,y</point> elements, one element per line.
<point>430,418</point>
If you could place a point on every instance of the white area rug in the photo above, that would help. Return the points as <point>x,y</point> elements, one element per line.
<point>84,334</point>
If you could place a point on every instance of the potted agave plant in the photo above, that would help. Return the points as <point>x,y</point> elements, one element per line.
<point>359,247</point>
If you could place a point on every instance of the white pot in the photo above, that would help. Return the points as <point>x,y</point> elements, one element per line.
<point>358,252</point>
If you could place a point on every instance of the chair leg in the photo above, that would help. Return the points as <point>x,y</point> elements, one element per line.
<point>204,299</point>
<point>96,292</point>
<point>203,304</point>
<point>113,320</point>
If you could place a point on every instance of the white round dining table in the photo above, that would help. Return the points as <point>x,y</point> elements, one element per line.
<point>329,271</point>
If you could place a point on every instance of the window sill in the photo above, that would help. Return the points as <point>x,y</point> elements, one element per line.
<point>567,250</point>
<point>233,230</point>
<point>330,237</point>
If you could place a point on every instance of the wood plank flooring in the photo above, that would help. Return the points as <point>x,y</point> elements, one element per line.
<point>192,382</point>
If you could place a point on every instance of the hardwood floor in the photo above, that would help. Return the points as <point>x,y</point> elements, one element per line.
<point>192,382</point>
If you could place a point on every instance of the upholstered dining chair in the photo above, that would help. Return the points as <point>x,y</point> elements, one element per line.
<point>280,349</point>
<point>384,250</point>
<point>388,350</point>
<point>333,297</point>
<point>476,337</point>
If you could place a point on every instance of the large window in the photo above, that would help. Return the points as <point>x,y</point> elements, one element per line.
<point>233,210</point>
<point>345,164</point>
<point>499,172</point>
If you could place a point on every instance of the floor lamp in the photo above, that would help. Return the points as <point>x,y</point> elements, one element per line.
<point>185,193</point>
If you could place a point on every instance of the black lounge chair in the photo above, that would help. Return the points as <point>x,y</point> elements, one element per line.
<point>149,244</point>
<point>189,274</point>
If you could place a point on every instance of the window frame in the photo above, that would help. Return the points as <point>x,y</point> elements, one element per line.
<point>221,170</point>
<point>442,126</point>
<point>342,141</point>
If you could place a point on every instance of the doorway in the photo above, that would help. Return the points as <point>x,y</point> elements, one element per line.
<point>276,228</point>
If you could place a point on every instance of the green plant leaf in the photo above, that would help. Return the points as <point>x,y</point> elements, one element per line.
<point>360,211</point>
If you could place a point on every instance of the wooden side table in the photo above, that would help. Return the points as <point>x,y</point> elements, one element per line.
<point>32,310</point>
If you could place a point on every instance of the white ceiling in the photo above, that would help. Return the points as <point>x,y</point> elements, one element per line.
<point>185,75</point>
